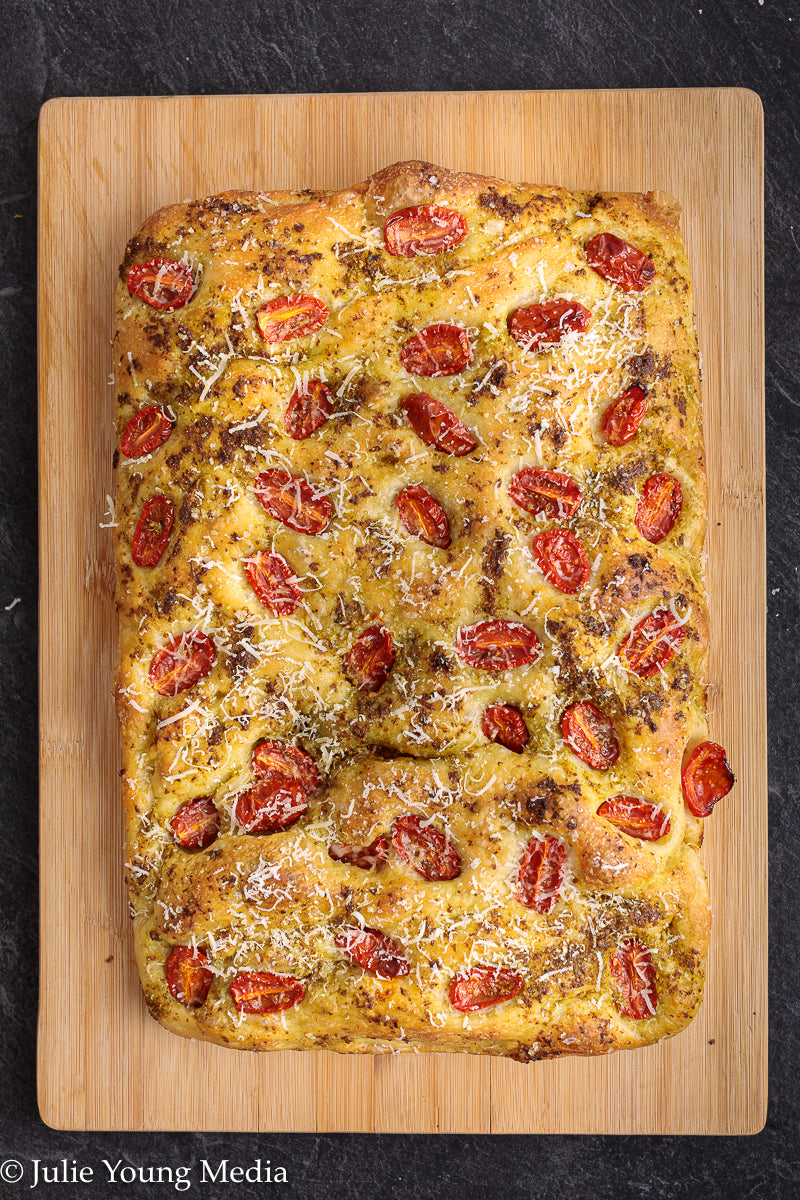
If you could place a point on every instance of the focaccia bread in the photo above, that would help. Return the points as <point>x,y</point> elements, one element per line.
<point>413,637</point>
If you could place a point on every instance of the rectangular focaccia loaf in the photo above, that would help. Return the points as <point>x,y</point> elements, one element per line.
<point>411,508</point>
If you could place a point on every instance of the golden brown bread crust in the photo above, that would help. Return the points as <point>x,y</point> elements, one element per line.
<point>275,902</point>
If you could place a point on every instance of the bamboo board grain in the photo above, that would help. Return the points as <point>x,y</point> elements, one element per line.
<point>105,164</point>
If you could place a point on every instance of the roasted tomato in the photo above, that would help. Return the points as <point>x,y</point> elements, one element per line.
<point>369,660</point>
<point>619,262</point>
<point>497,645</point>
<point>482,987</point>
<point>624,416</point>
<point>437,350</point>
<point>368,858</point>
<point>161,283</point>
<point>308,409</point>
<point>373,950</point>
<point>425,849</point>
<point>589,733</point>
<point>635,977</point>
<point>196,823</point>
<point>182,662</point>
<point>562,559</point>
<point>541,874</point>
<point>652,643</point>
<point>152,531</point>
<point>437,425</point>
<point>659,507</point>
<point>271,806</point>
<point>147,429</point>
<point>504,723</point>
<point>275,762</point>
<point>290,317</point>
<point>424,229</point>
<point>550,492</point>
<point>706,778</point>
<point>291,500</point>
<point>638,818</point>
<point>272,580</point>
<point>539,325</point>
<point>423,517</point>
<point>189,975</point>
<point>255,992</point>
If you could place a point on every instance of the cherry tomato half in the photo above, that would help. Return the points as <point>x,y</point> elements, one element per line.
<point>635,977</point>
<point>590,735</point>
<point>481,987</point>
<point>538,325</point>
<point>189,975</point>
<point>368,858</point>
<point>152,531</point>
<point>619,262</point>
<point>541,874</point>
<point>292,500</point>
<point>161,283</point>
<point>308,409</point>
<point>550,492</point>
<point>425,848</point>
<point>275,762</point>
<point>182,662</point>
<point>437,425</point>
<point>423,517</point>
<point>424,229</point>
<point>270,806</point>
<point>624,416</point>
<point>497,645</point>
<point>272,580</point>
<point>289,317</point>
<point>196,823</point>
<point>652,643</point>
<point>706,778</point>
<point>638,818</point>
<point>147,429</point>
<point>257,992</point>
<point>505,724</point>
<point>659,507</point>
<point>562,559</point>
<point>438,349</point>
<point>369,660</point>
<point>373,950</point>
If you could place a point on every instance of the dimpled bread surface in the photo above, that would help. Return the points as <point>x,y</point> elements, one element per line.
<point>276,902</point>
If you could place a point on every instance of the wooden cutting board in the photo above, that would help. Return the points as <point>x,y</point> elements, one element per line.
<point>105,164</point>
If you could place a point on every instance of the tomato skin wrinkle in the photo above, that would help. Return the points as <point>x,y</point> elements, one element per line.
<point>272,580</point>
<point>483,987</point>
<point>370,659</point>
<point>619,262</point>
<point>147,429</point>
<point>635,977</point>
<point>426,849</point>
<point>189,976</point>
<point>505,724</point>
<point>291,500</point>
<point>423,516</point>
<point>439,349</point>
<point>184,661</point>
<point>652,643</point>
<point>562,559</point>
<point>366,858</point>
<point>437,425</point>
<point>541,874</point>
<point>196,823</point>
<point>590,735</point>
<point>373,951</point>
<point>497,645</point>
<point>538,325</point>
<point>308,410</point>
<point>706,778</point>
<point>152,531</point>
<point>288,317</point>
<point>553,493</point>
<point>624,415</point>
<point>636,817</point>
<point>424,229</point>
<point>258,992</point>
<point>659,507</point>
<point>162,283</point>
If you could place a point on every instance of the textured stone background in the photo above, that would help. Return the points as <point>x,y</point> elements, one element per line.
<point>111,47</point>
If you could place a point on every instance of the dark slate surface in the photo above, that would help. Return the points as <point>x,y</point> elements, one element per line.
<point>108,47</point>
